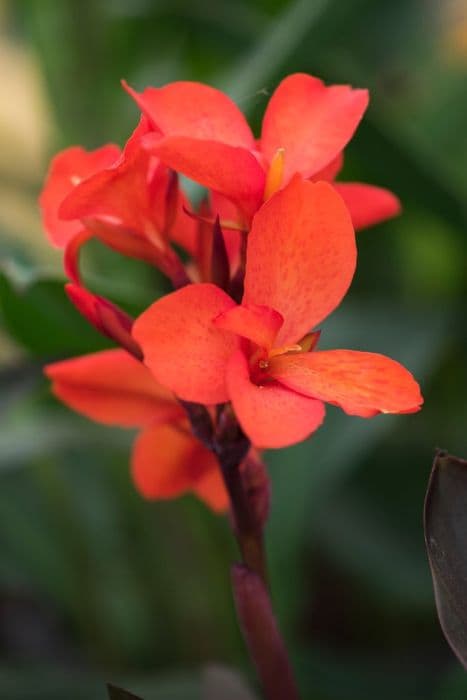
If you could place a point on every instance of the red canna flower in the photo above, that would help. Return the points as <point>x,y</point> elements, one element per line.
<point>112,387</point>
<point>259,355</point>
<point>367,205</point>
<point>200,132</point>
<point>67,169</point>
<point>127,199</point>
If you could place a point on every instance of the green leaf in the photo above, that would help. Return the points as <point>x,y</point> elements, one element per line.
<point>40,317</point>
<point>445,520</point>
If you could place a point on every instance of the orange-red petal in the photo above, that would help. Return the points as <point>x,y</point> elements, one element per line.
<point>123,195</point>
<point>270,415</point>
<point>260,324</point>
<point>126,242</point>
<point>195,110</point>
<point>167,462</point>
<point>368,205</point>
<point>232,171</point>
<point>301,256</point>
<point>67,170</point>
<point>210,486</point>
<point>330,171</point>
<point>361,383</point>
<point>112,387</point>
<point>183,348</point>
<point>311,122</point>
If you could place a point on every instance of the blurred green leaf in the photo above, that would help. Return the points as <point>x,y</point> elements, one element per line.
<point>47,683</point>
<point>327,674</point>
<point>277,42</point>
<point>316,466</point>
<point>453,685</point>
<point>368,545</point>
<point>40,317</point>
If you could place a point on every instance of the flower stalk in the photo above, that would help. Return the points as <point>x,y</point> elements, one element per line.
<point>262,636</point>
<point>248,488</point>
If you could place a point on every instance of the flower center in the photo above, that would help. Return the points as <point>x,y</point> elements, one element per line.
<point>259,361</point>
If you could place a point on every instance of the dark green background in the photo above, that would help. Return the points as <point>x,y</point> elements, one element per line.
<point>96,584</point>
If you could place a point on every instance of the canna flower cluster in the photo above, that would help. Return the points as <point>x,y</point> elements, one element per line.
<point>266,257</point>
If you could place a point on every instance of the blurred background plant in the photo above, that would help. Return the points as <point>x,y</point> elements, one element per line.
<point>94,582</point>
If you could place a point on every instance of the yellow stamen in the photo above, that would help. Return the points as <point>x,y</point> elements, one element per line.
<point>275,174</point>
<point>309,341</point>
<point>285,349</point>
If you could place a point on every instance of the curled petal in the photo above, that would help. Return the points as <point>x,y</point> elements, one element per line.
<point>133,144</point>
<point>260,324</point>
<point>312,122</point>
<point>72,253</point>
<point>195,110</point>
<point>68,169</point>
<point>368,205</point>
<point>128,242</point>
<point>121,195</point>
<point>232,171</point>
<point>167,462</point>
<point>361,383</point>
<point>301,256</point>
<point>181,345</point>
<point>270,415</point>
<point>112,387</point>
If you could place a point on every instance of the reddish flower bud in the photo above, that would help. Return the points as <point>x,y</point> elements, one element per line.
<point>107,318</point>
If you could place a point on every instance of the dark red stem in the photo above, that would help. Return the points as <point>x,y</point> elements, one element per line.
<point>248,489</point>
<point>262,635</point>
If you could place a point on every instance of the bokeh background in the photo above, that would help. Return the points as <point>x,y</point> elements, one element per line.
<point>96,584</point>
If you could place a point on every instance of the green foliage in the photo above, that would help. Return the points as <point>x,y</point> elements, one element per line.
<point>40,317</point>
